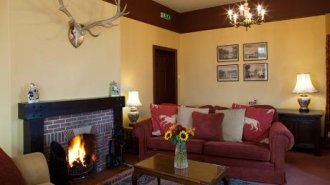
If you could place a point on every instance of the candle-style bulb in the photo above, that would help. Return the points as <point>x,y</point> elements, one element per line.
<point>241,9</point>
<point>259,8</point>
<point>230,14</point>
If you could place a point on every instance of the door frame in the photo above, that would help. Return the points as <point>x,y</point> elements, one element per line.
<point>174,51</point>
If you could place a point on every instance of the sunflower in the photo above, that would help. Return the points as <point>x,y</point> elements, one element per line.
<point>168,135</point>
<point>191,131</point>
<point>183,136</point>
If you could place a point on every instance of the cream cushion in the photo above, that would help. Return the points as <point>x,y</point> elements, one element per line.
<point>33,168</point>
<point>185,115</point>
<point>232,124</point>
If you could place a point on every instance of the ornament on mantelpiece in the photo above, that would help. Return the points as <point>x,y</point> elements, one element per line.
<point>33,93</point>
<point>114,89</point>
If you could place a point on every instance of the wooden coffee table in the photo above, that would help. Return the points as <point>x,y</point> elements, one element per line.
<point>162,167</point>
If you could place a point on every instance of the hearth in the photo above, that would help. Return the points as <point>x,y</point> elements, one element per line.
<point>81,156</point>
<point>95,122</point>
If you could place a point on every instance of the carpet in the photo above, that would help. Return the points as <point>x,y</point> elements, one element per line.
<point>125,178</point>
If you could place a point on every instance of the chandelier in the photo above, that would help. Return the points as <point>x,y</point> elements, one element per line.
<point>245,18</point>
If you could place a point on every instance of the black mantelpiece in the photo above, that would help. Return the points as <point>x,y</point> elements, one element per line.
<point>34,114</point>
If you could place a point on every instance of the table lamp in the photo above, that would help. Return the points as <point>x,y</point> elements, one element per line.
<point>303,87</point>
<point>132,102</point>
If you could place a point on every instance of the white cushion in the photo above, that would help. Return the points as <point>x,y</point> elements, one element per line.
<point>232,124</point>
<point>184,115</point>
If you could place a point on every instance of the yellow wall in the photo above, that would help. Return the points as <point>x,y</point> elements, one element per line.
<point>294,46</point>
<point>137,39</point>
<point>41,53</point>
<point>327,19</point>
<point>5,123</point>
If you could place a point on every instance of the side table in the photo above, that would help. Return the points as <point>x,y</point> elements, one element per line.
<point>305,127</point>
<point>131,142</point>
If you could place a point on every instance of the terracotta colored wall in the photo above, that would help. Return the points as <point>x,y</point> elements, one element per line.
<point>295,46</point>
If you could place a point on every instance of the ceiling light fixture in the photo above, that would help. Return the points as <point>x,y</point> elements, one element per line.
<point>245,18</point>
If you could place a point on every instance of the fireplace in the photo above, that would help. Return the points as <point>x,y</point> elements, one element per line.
<point>61,121</point>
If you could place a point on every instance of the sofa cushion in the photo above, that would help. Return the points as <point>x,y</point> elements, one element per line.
<point>9,173</point>
<point>257,123</point>
<point>163,117</point>
<point>159,143</point>
<point>245,150</point>
<point>232,124</point>
<point>185,115</point>
<point>207,126</point>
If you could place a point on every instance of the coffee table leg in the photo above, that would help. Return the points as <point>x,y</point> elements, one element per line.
<point>225,181</point>
<point>158,180</point>
<point>135,177</point>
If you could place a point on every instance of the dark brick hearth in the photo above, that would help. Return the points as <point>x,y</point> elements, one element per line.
<point>55,120</point>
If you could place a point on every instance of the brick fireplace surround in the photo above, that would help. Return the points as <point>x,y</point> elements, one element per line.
<point>60,121</point>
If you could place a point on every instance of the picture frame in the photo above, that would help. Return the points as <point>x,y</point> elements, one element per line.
<point>227,73</point>
<point>255,72</point>
<point>228,53</point>
<point>255,51</point>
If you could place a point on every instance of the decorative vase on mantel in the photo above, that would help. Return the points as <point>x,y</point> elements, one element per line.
<point>180,158</point>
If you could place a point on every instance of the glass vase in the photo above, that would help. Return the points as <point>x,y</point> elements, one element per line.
<point>180,158</point>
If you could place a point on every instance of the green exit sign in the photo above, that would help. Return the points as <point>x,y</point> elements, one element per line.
<point>165,16</point>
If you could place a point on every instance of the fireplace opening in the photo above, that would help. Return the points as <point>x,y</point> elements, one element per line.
<point>81,156</point>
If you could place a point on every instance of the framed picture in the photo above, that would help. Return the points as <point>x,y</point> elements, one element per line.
<point>255,51</point>
<point>227,73</point>
<point>255,72</point>
<point>228,53</point>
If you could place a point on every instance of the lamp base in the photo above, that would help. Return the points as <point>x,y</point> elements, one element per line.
<point>304,101</point>
<point>133,116</point>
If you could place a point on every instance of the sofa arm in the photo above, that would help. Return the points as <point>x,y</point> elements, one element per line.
<point>280,141</point>
<point>142,131</point>
<point>33,168</point>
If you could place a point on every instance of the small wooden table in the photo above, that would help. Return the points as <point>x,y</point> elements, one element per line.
<point>162,167</point>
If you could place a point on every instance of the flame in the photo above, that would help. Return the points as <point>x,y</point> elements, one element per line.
<point>76,151</point>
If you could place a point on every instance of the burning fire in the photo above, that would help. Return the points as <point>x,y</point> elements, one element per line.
<point>76,151</point>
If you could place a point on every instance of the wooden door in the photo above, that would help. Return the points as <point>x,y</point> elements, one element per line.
<point>165,75</point>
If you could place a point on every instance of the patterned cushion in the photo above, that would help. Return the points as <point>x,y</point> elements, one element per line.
<point>163,117</point>
<point>256,123</point>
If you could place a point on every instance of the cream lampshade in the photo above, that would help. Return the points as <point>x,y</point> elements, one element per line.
<point>133,102</point>
<point>303,87</point>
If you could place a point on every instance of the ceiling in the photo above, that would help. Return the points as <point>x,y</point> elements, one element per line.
<point>190,5</point>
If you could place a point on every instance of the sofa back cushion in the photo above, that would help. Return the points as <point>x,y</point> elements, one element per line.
<point>232,124</point>
<point>9,173</point>
<point>257,123</point>
<point>185,115</point>
<point>163,117</point>
<point>207,126</point>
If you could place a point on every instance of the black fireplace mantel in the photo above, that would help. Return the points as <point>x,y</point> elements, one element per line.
<point>34,114</point>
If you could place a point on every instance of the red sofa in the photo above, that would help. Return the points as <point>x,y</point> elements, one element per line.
<point>247,160</point>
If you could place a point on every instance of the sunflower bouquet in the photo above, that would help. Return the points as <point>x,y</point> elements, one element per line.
<point>179,135</point>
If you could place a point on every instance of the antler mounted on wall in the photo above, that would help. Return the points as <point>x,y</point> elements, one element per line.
<point>77,31</point>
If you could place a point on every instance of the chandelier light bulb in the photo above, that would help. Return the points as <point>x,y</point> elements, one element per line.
<point>230,13</point>
<point>241,9</point>
<point>259,8</point>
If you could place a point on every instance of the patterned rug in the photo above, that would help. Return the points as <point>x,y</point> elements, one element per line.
<point>125,178</point>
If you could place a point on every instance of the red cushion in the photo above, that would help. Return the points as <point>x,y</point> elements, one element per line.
<point>9,173</point>
<point>256,123</point>
<point>163,117</point>
<point>246,150</point>
<point>208,126</point>
<point>158,143</point>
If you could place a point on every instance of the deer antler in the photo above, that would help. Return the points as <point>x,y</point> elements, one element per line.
<point>108,22</point>
<point>77,31</point>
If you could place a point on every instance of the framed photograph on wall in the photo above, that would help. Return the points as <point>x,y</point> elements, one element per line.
<point>255,72</point>
<point>255,51</point>
<point>228,53</point>
<point>227,73</point>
